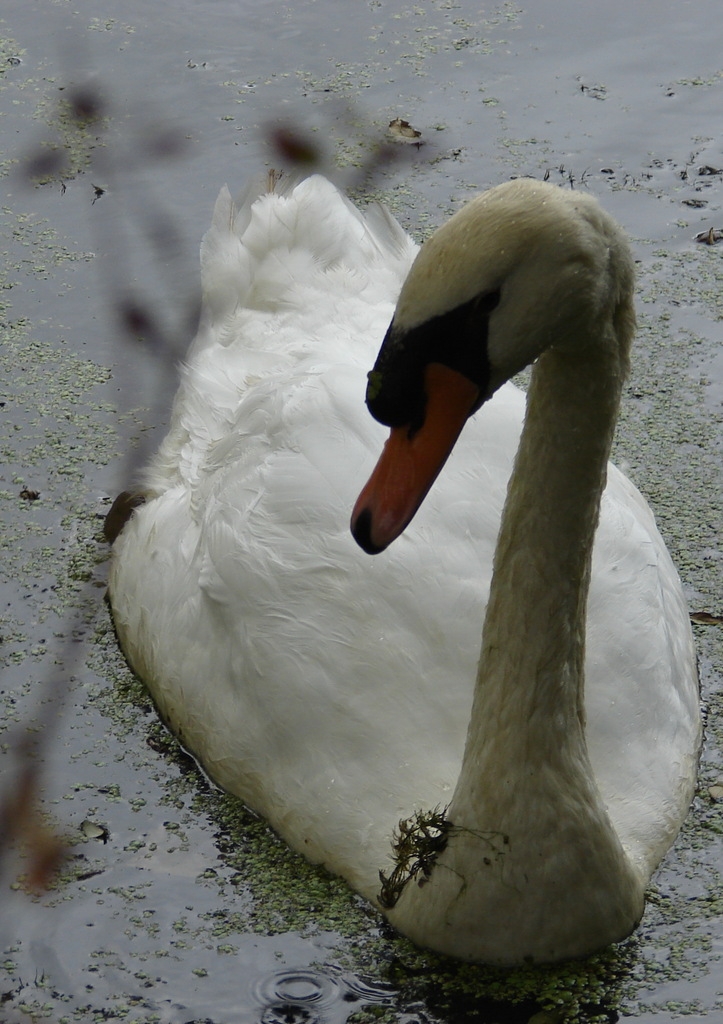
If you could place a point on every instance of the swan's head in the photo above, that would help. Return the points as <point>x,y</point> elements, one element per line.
<point>522,268</point>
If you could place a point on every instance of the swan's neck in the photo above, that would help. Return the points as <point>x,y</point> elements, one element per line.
<point>527,814</point>
<point>529,697</point>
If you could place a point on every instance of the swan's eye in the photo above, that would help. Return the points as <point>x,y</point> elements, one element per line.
<point>374,385</point>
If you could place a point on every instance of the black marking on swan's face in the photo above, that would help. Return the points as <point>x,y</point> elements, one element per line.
<point>456,339</point>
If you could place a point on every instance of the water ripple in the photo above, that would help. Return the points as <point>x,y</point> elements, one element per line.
<point>306,996</point>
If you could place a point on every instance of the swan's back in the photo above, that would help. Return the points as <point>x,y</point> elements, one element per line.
<point>330,691</point>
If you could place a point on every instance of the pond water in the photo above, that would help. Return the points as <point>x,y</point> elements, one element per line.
<point>120,123</point>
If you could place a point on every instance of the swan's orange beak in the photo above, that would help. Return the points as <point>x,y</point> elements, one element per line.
<point>409,463</point>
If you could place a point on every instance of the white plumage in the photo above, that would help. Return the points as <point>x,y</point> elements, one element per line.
<point>332,691</point>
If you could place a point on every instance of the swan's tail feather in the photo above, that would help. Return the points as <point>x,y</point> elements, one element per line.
<point>389,233</point>
<point>225,265</point>
<point>290,278</point>
<point>300,229</point>
<point>271,183</point>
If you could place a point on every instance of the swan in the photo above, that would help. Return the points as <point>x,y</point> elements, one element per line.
<point>508,807</point>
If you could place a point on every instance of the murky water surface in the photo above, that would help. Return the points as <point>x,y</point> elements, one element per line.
<point>176,904</point>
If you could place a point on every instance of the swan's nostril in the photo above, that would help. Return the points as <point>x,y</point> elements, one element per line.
<point>361,529</point>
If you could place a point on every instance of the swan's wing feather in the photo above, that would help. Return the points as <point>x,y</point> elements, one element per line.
<point>641,691</point>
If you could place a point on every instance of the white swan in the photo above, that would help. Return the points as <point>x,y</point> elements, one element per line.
<point>333,692</point>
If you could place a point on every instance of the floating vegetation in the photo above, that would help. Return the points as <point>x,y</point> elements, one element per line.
<point>417,844</point>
